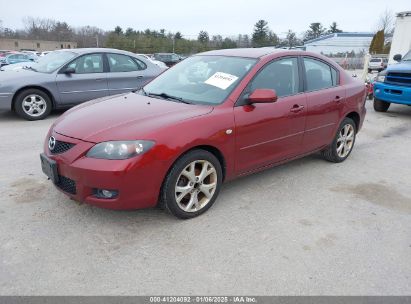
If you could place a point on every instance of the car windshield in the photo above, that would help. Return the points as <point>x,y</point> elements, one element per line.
<point>407,56</point>
<point>201,79</point>
<point>52,61</point>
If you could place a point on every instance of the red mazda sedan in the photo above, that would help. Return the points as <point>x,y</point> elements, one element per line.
<point>213,117</point>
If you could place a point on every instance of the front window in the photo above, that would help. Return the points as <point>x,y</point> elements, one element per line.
<point>53,61</point>
<point>87,64</point>
<point>202,79</point>
<point>280,75</point>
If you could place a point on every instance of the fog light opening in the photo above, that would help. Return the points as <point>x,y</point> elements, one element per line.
<point>105,194</point>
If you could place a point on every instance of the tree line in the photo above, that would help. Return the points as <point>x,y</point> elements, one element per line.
<point>150,41</point>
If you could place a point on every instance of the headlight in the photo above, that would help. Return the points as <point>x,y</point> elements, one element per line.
<point>120,149</point>
<point>381,76</point>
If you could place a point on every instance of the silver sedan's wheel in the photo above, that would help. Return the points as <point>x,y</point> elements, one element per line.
<point>196,186</point>
<point>34,105</point>
<point>345,140</point>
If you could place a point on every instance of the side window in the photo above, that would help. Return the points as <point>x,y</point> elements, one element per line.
<point>91,63</point>
<point>13,57</point>
<point>124,63</point>
<point>319,75</point>
<point>280,75</point>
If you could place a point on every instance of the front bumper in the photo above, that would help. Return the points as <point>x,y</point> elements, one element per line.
<point>392,93</point>
<point>138,180</point>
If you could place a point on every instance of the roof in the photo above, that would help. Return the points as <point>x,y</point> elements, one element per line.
<point>404,14</point>
<point>95,50</point>
<point>346,34</point>
<point>244,52</point>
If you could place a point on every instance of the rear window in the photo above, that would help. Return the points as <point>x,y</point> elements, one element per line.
<point>375,60</point>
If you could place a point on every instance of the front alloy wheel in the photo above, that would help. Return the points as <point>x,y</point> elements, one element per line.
<point>196,186</point>
<point>32,104</point>
<point>192,185</point>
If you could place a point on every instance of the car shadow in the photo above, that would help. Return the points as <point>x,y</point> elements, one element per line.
<point>146,217</point>
<point>10,116</point>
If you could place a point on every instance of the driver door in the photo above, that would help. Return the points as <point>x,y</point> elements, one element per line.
<point>267,133</point>
<point>89,80</point>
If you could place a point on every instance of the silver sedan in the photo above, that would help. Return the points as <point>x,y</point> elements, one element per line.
<point>65,78</point>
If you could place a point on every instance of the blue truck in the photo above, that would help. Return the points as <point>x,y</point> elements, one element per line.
<point>393,85</point>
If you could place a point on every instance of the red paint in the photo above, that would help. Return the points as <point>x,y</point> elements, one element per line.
<point>264,134</point>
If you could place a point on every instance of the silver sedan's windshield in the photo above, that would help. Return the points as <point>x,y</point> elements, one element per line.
<point>52,61</point>
<point>201,79</point>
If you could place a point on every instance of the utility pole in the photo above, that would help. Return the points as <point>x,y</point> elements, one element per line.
<point>174,42</point>
<point>97,40</point>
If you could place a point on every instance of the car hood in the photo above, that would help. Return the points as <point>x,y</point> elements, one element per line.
<point>124,117</point>
<point>404,66</point>
<point>18,75</point>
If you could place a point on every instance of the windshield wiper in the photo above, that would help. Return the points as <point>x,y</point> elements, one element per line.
<point>167,96</point>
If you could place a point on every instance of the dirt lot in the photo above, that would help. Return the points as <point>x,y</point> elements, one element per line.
<point>307,227</point>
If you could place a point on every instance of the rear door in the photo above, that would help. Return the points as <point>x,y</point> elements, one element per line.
<point>89,80</point>
<point>325,98</point>
<point>126,73</point>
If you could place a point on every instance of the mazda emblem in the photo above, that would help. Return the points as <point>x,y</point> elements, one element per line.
<point>52,143</point>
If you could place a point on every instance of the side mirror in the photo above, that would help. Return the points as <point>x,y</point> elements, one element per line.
<point>263,96</point>
<point>69,71</point>
<point>397,57</point>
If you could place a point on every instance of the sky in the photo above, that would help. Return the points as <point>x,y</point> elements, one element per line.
<point>224,17</point>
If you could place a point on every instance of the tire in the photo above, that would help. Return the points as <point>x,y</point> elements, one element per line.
<point>370,96</point>
<point>192,187</point>
<point>343,142</point>
<point>35,101</point>
<point>369,70</point>
<point>381,106</point>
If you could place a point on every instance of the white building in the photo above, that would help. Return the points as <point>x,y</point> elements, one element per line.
<point>401,40</point>
<point>340,43</point>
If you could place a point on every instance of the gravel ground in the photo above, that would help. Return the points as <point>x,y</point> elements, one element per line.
<point>308,227</point>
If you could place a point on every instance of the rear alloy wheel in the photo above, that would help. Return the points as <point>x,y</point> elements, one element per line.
<point>32,104</point>
<point>381,106</point>
<point>343,142</point>
<point>192,185</point>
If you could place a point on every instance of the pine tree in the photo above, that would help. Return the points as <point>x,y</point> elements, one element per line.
<point>261,33</point>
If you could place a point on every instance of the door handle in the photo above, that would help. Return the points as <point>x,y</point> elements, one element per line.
<point>140,77</point>
<point>297,108</point>
<point>337,98</point>
<point>99,79</point>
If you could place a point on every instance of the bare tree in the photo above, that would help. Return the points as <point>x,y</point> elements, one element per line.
<point>386,22</point>
<point>38,28</point>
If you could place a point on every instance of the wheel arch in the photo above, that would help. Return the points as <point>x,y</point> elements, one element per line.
<point>49,94</point>
<point>356,118</point>
<point>209,148</point>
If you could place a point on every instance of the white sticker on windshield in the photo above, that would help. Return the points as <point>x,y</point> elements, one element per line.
<point>221,80</point>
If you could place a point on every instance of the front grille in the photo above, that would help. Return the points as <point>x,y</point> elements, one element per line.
<point>399,78</point>
<point>61,147</point>
<point>67,185</point>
